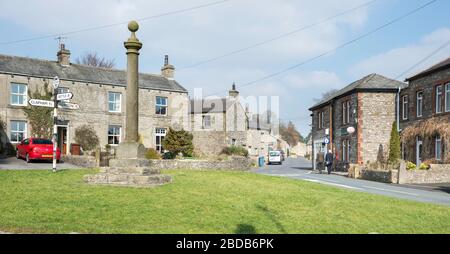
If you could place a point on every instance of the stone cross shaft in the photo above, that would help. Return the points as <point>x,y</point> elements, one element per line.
<point>133,45</point>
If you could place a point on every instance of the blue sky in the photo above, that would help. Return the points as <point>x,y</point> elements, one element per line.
<point>204,33</point>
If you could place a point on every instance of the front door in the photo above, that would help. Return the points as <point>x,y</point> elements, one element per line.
<point>62,139</point>
<point>419,147</point>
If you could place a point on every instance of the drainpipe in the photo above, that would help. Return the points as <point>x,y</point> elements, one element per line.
<point>398,109</point>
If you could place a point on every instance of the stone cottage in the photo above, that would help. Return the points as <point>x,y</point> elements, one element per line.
<point>356,121</point>
<point>425,116</point>
<point>260,137</point>
<point>101,95</point>
<point>217,123</point>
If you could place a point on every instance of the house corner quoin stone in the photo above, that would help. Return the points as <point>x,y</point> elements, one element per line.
<point>131,168</point>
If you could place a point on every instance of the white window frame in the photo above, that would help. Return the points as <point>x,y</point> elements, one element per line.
<point>24,95</point>
<point>321,120</point>
<point>438,107</point>
<point>405,107</point>
<point>447,97</point>
<point>166,105</point>
<point>160,133</point>
<point>119,135</point>
<point>116,104</point>
<point>346,112</point>
<point>419,105</point>
<point>204,121</point>
<point>24,132</point>
<point>438,140</point>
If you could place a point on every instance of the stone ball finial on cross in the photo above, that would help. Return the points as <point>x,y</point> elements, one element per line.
<point>133,26</point>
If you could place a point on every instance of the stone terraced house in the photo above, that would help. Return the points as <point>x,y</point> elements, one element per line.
<point>218,123</point>
<point>366,108</point>
<point>260,137</point>
<point>425,116</point>
<point>101,95</point>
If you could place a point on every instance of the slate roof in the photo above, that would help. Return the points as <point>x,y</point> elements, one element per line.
<point>437,67</point>
<point>219,105</point>
<point>82,73</point>
<point>372,82</point>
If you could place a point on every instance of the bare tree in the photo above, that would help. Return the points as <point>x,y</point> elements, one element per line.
<point>93,59</point>
<point>326,95</point>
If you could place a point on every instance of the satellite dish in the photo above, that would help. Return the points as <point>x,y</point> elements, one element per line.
<point>351,130</point>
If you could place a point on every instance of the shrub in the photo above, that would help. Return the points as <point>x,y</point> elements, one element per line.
<point>152,154</point>
<point>86,136</point>
<point>394,145</point>
<point>410,166</point>
<point>179,142</point>
<point>424,166</point>
<point>235,150</point>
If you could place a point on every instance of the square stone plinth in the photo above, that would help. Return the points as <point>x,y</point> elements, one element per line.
<point>130,150</point>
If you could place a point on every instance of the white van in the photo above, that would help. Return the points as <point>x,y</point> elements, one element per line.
<point>275,157</point>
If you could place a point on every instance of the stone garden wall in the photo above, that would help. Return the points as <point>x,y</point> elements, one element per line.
<point>436,174</point>
<point>81,161</point>
<point>234,163</point>
<point>383,176</point>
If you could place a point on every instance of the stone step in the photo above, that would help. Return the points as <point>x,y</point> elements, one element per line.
<point>126,163</point>
<point>128,179</point>
<point>131,170</point>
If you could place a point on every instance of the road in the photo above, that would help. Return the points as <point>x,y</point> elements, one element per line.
<point>301,169</point>
<point>15,164</point>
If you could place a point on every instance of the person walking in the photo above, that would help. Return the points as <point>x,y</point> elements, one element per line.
<point>329,161</point>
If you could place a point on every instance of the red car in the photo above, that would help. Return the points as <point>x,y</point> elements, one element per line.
<point>36,149</point>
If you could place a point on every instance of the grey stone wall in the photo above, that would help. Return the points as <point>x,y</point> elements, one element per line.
<point>234,163</point>
<point>383,176</point>
<point>340,129</point>
<point>437,174</point>
<point>81,161</point>
<point>378,115</point>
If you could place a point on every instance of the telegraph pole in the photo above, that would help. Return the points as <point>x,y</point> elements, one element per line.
<point>55,121</point>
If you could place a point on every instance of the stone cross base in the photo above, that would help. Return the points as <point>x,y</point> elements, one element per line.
<point>129,172</point>
<point>132,150</point>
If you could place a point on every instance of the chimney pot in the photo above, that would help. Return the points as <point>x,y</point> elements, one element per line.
<point>63,55</point>
<point>167,71</point>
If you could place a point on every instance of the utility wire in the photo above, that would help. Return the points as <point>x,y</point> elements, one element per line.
<point>421,61</point>
<point>325,20</point>
<point>338,47</point>
<point>117,24</point>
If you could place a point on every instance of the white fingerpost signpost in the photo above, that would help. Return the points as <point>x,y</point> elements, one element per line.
<point>55,120</point>
<point>55,105</point>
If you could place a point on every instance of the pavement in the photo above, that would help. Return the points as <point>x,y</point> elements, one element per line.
<point>11,163</point>
<point>300,168</point>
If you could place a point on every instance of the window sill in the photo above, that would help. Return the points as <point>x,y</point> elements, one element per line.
<point>17,106</point>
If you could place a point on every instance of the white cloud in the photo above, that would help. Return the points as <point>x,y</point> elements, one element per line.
<point>201,34</point>
<point>396,61</point>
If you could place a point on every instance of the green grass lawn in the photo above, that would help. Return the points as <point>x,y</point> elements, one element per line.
<point>204,202</point>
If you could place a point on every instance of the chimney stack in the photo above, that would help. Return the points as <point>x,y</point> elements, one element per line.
<point>233,92</point>
<point>168,71</point>
<point>63,55</point>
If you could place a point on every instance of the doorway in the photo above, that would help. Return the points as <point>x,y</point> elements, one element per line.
<point>419,148</point>
<point>62,139</point>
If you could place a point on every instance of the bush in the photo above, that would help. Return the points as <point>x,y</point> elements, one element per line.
<point>424,166</point>
<point>235,150</point>
<point>152,154</point>
<point>179,142</point>
<point>394,145</point>
<point>87,137</point>
<point>410,166</point>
